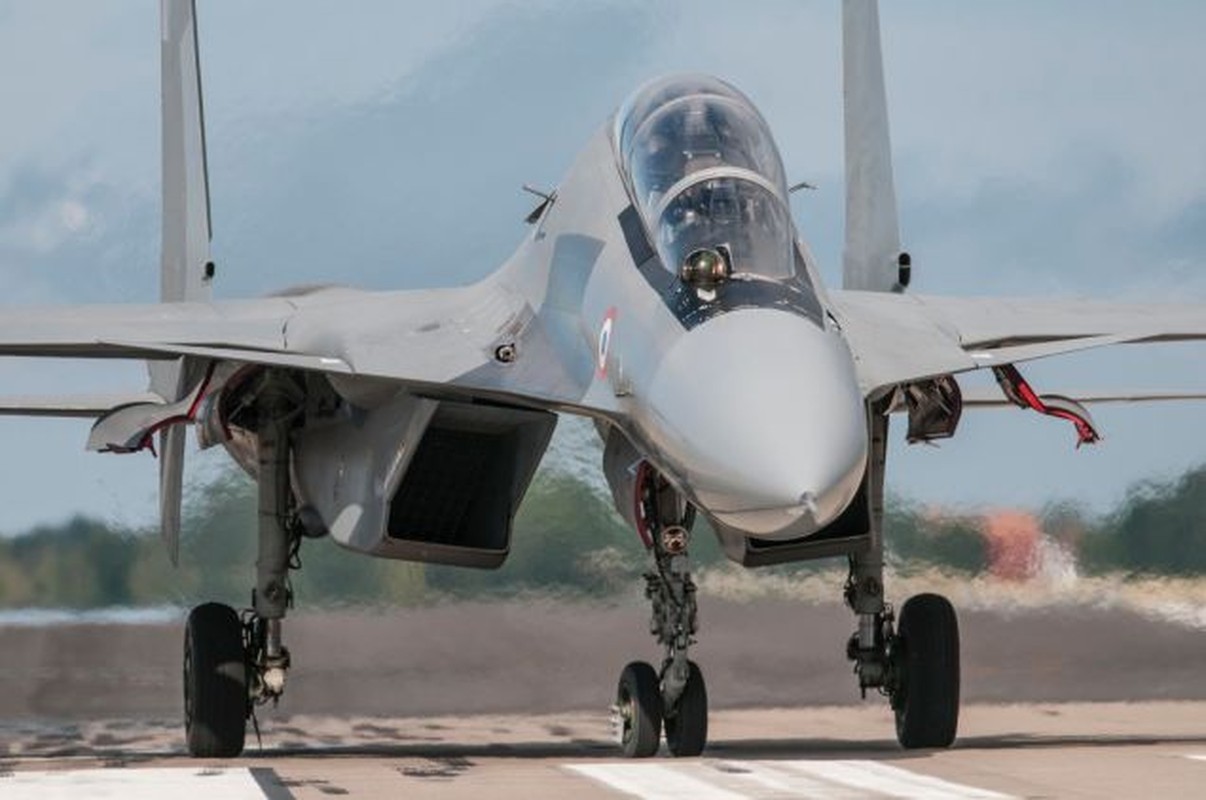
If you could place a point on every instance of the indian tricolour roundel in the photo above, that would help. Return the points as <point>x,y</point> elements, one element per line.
<point>609,320</point>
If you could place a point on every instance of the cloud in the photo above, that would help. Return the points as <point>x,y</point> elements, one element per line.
<point>421,186</point>
<point>39,211</point>
<point>67,236</point>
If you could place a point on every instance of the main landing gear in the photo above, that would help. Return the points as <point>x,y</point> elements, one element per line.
<point>232,663</point>
<point>914,662</point>
<point>673,698</point>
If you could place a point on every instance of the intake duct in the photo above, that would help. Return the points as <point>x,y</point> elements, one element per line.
<point>464,483</point>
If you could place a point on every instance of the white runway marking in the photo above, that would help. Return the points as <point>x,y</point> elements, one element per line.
<point>654,781</point>
<point>1196,756</point>
<point>132,784</point>
<point>762,780</point>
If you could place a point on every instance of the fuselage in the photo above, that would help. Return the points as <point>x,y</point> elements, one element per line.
<point>671,245</point>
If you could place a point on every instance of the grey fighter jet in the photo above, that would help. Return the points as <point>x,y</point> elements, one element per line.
<point>663,292</point>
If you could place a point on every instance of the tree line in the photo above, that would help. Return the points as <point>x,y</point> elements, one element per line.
<point>567,539</point>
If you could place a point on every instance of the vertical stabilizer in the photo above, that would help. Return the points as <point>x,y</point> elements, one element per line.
<point>184,261</point>
<point>872,259</point>
<point>185,267</point>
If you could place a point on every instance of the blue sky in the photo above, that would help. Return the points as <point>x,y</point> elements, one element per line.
<point>1041,148</point>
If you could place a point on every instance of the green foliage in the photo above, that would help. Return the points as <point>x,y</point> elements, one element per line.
<point>218,554</point>
<point>950,542</point>
<point>567,538</point>
<point>79,564</point>
<point>218,545</point>
<point>1160,528</point>
<point>85,563</point>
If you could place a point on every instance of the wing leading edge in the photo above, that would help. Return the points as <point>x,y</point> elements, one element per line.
<point>444,340</point>
<point>897,339</point>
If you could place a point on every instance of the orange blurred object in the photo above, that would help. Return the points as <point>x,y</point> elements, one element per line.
<point>1013,540</point>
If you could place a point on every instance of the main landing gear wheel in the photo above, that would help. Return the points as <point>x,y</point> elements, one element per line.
<point>926,659</point>
<point>215,682</point>
<point>687,728</point>
<point>639,710</point>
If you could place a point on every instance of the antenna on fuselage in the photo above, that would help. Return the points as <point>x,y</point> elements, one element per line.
<point>546,198</point>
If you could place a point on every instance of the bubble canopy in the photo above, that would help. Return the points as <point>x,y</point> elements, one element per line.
<point>704,173</point>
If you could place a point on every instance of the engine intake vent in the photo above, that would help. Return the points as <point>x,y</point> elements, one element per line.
<point>464,483</point>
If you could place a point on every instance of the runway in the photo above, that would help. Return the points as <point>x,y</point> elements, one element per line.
<point>510,700</point>
<point>1036,750</point>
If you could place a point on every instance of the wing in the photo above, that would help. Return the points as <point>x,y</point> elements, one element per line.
<point>139,331</point>
<point>897,339</point>
<point>479,341</point>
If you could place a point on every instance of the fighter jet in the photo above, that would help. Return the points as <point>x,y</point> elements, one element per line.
<point>662,291</point>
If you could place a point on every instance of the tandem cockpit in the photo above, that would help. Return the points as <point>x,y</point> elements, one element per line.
<point>708,182</point>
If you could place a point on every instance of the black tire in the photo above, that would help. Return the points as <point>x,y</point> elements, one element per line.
<point>215,682</point>
<point>639,700</point>
<point>926,657</point>
<point>687,730</point>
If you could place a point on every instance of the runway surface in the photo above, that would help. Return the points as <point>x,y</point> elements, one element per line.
<point>1038,750</point>
<point>486,700</point>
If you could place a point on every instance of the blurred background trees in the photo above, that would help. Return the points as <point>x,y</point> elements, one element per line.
<point>567,539</point>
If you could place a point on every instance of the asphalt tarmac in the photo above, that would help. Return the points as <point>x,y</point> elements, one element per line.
<point>510,700</point>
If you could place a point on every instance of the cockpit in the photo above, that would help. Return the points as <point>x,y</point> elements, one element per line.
<point>707,180</point>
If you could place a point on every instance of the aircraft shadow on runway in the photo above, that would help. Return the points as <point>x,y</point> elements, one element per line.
<point>446,759</point>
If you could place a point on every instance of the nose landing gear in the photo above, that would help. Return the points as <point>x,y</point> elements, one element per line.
<point>674,698</point>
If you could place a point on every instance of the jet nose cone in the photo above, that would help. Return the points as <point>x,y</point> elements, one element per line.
<point>761,413</point>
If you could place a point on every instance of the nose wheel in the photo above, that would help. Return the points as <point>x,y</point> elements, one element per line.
<point>687,727</point>
<point>638,710</point>
<point>640,714</point>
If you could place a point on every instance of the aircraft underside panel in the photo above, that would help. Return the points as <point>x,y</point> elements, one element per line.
<point>420,479</point>
<point>850,533</point>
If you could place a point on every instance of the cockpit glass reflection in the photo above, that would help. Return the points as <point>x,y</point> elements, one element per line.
<point>705,173</point>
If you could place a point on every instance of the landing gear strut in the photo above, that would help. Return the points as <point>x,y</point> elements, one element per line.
<point>232,664</point>
<point>915,663</point>
<point>674,697</point>
<point>279,536</point>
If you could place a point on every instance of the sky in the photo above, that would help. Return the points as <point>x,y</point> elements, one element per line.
<point>1041,148</point>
